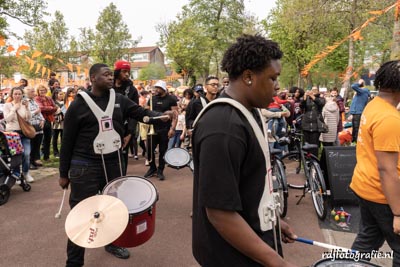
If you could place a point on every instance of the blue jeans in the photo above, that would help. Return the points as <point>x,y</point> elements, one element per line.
<point>276,124</point>
<point>26,143</point>
<point>175,141</point>
<point>376,226</point>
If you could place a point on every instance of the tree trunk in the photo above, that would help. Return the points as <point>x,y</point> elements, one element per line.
<point>395,49</point>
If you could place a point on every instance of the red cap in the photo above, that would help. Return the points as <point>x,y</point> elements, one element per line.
<point>122,65</point>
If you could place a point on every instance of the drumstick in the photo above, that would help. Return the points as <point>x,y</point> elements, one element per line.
<point>325,245</point>
<point>147,119</point>
<point>58,214</point>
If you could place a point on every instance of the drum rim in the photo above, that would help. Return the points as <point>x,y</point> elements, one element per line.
<point>189,158</point>
<point>154,190</point>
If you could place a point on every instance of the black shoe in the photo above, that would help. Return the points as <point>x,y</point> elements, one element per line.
<point>160,175</point>
<point>150,173</point>
<point>118,252</point>
<point>33,167</point>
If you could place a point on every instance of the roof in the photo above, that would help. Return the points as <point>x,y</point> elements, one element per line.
<point>145,49</point>
<point>139,65</point>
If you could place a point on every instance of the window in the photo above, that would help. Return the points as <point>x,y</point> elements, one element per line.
<point>140,57</point>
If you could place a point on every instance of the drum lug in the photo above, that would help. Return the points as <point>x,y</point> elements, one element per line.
<point>130,218</point>
<point>150,212</point>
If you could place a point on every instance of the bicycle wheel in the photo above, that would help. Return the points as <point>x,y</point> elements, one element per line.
<point>279,172</point>
<point>318,190</point>
<point>293,166</point>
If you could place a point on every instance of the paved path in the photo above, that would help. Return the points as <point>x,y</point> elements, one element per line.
<point>31,236</point>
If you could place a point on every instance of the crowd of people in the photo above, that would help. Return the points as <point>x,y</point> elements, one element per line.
<point>228,229</point>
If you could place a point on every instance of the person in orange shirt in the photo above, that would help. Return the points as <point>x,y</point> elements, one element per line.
<point>376,179</point>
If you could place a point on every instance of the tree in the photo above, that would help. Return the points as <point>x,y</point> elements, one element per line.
<point>50,38</point>
<point>27,12</point>
<point>202,32</point>
<point>112,38</point>
<point>153,71</point>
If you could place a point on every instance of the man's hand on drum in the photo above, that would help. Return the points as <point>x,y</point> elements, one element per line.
<point>173,115</point>
<point>63,182</point>
<point>288,235</point>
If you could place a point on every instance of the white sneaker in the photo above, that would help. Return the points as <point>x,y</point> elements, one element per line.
<point>18,182</point>
<point>28,178</point>
<point>146,163</point>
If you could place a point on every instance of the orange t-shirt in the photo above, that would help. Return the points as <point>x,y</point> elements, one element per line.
<point>379,131</point>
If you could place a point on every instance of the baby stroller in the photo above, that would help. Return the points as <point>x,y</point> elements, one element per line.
<point>11,151</point>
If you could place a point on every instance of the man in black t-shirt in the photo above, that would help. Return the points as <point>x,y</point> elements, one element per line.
<point>160,102</point>
<point>229,166</point>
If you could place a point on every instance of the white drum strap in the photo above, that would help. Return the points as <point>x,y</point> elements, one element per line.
<point>107,140</point>
<point>267,205</point>
<point>203,102</point>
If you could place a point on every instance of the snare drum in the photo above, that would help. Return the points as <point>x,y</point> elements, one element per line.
<point>343,263</point>
<point>177,157</point>
<point>140,197</point>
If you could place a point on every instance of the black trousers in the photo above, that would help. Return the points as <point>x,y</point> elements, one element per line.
<point>56,134</point>
<point>86,179</point>
<point>47,130</point>
<point>35,147</point>
<point>356,125</point>
<point>312,138</point>
<point>160,140</point>
<point>376,226</point>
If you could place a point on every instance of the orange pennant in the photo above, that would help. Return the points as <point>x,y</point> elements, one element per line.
<point>78,70</point>
<point>87,72</point>
<point>36,54</point>
<point>38,68</point>
<point>2,41</point>
<point>48,56</point>
<point>60,60</point>
<point>43,71</point>
<point>70,67</point>
<point>10,48</point>
<point>21,48</point>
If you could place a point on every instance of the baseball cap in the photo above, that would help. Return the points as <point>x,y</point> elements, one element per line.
<point>122,65</point>
<point>161,84</point>
<point>198,88</point>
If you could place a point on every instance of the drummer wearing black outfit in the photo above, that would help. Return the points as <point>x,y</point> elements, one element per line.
<point>124,86</point>
<point>230,168</point>
<point>160,102</point>
<point>80,166</point>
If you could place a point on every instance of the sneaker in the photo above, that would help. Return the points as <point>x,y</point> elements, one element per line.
<point>146,163</point>
<point>28,178</point>
<point>130,155</point>
<point>160,175</point>
<point>118,252</point>
<point>150,173</point>
<point>18,181</point>
<point>136,157</point>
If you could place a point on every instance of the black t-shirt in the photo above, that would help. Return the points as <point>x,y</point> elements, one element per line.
<point>162,104</point>
<point>81,127</point>
<point>229,174</point>
<point>196,106</point>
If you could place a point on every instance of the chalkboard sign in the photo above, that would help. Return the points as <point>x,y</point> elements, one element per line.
<point>338,163</point>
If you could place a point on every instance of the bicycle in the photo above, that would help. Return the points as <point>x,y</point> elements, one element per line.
<point>315,182</point>
<point>280,183</point>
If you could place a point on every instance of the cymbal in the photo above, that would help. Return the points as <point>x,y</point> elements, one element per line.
<point>96,221</point>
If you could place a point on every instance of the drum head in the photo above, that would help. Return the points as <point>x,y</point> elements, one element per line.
<point>138,194</point>
<point>177,157</point>
<point>343,263</point>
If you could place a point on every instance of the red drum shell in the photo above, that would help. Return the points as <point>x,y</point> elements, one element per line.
<point>343,263</point>
<point>140,197</point>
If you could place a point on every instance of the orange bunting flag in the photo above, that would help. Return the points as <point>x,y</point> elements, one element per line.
<point>86,72</point>
<point>376,12</point>
<point>2,41</point>
<point>70,67</point>
<point>48,72</point>
<point>43,71</point>
<point>36,54</point>
<point>60,60</point>
<point>78,70</point>
<point>38,68</point>
<point>48,56</point>
<point>31,62</point>
<point>10,48</point>
<point>21,48</point>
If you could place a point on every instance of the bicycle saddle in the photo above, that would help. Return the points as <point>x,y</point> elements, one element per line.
<point>308,147</point>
